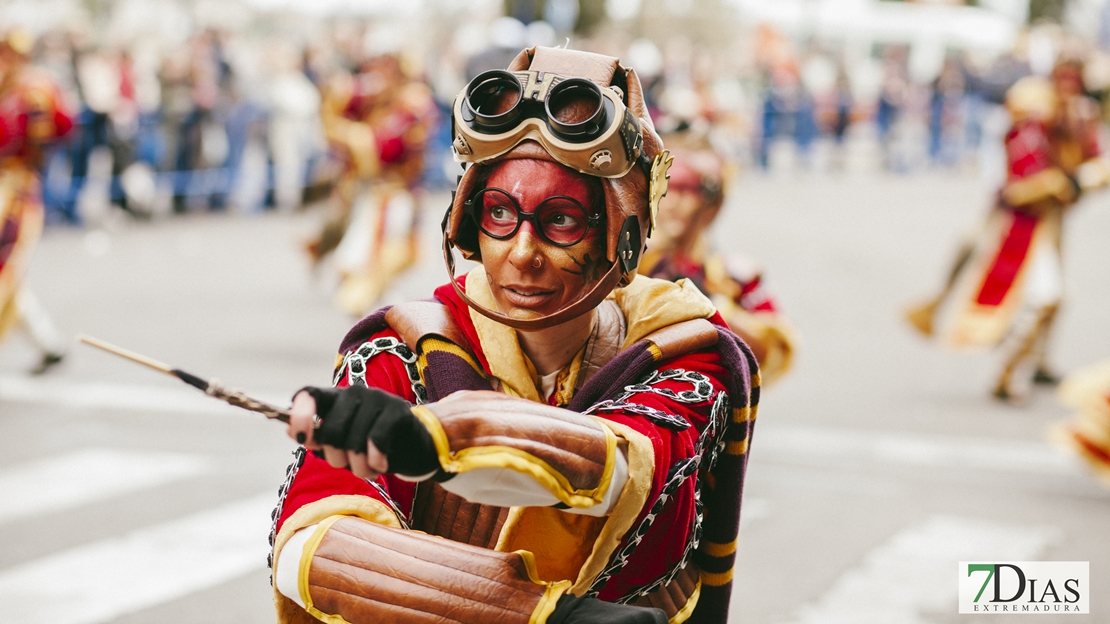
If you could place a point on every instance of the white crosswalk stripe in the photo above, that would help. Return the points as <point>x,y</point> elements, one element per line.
<point>810,444</point>
<point>915,571</point>
<point>103,580</point>
<point>63,482</point>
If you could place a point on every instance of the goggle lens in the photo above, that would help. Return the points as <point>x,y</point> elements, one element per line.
<point>560,220</point>
<point>493,97</point>
<point>574,103</point>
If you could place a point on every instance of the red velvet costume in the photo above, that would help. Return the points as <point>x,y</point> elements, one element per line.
<point>696,409</point>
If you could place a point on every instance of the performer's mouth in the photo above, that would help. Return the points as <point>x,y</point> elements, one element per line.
<point>527,296</point>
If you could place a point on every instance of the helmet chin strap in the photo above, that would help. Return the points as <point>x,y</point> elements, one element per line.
<point>584,304</point>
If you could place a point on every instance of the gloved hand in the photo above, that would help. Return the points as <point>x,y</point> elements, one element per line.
<point>574,610</point>
<point>365,429</point>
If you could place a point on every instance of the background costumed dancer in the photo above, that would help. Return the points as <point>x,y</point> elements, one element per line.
<point>578,434</point>
<point>1088,433</point>
<point>679,249</point>
<point>377,122</point>
<point>1007,288</point>
<point>32,117</point>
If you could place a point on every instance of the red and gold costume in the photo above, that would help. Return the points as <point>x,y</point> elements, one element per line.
<point>679,249</point>
<point>378,122</point>
<point>685,420</point>
<point>32,116</point>
<point>1009,285</point>
<point>618,476</point>
<point>1088,434</point>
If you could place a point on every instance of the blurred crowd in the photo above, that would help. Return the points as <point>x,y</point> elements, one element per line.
<point>238,118</point>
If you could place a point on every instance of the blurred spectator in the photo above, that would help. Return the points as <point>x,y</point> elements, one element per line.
<point>945,108</point>
<point>892,100</point>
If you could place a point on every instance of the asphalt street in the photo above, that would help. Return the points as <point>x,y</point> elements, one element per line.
<point>878,463</point>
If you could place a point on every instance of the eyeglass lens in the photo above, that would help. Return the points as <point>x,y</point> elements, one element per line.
<point>559,220</point>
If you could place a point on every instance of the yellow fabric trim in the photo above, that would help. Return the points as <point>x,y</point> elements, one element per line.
<point>743,414</point>
<point>499,342</point>
<point>568,378</point>
<point>651,304</point>
<point>687,609</point>
<point>343,505</point>
<point>306,563</point>
<point>717,549</point>
<point>737,448</point>
<point>515,459</point>
<point>548,601</point>
<point>655,351</point>
<point>718,579</point>
<point>560,541</point>
<point>641,468</point>
<point>433,343</point>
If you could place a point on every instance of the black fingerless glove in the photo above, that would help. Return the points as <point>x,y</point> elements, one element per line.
<point>351,416</point>
<point>574,610</point>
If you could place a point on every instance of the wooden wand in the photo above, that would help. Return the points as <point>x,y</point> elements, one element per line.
<point>211,387</point>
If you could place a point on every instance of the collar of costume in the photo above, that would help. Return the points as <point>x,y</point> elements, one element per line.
<point>647,304</point>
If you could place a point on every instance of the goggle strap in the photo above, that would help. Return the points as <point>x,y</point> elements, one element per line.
<point>584,304</point>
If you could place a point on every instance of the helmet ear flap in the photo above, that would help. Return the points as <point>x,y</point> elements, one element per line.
<point>458,228</point>
<point>630,245</point>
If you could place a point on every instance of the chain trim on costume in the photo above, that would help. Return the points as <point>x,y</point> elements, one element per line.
<point>702,460</point>
<point>354,365</point>
<point>283,491</point>
<point>659,417</point>
<point>702,391</point>
<point>392,505</point>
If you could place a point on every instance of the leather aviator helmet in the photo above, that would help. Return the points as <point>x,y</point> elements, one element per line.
<point>614,141</point>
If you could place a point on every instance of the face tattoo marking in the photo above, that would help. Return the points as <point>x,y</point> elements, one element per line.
<point>590,269</point>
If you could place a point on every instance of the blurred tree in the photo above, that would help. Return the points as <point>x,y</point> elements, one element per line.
<point>1050,10</point>
<point>591,14</point>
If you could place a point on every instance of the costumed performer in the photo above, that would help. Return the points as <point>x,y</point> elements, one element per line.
<point>552,438</point>
<point>377,122</point>
<point>679,249</point>
<point>33,116</point>
<point>1088,434</point>
<point>1008,286</point>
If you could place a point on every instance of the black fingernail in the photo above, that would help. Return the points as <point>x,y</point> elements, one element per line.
<point>300,437</point>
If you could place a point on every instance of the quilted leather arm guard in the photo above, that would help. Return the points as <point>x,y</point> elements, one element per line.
<point>568,456</point>
<point>364,572</point>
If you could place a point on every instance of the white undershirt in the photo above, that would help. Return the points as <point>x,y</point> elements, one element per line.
<point>548,383</point>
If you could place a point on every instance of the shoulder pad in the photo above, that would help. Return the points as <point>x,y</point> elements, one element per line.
<point>682,338</point>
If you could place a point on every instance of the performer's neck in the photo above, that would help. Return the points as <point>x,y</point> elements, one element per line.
<point>553,348</point>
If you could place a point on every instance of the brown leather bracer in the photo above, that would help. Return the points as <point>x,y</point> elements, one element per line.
<point>368,573</point>
<point>574,445</point>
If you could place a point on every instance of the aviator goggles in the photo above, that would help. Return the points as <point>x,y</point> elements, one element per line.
<point>582,125</point>
<point>559,220</point>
